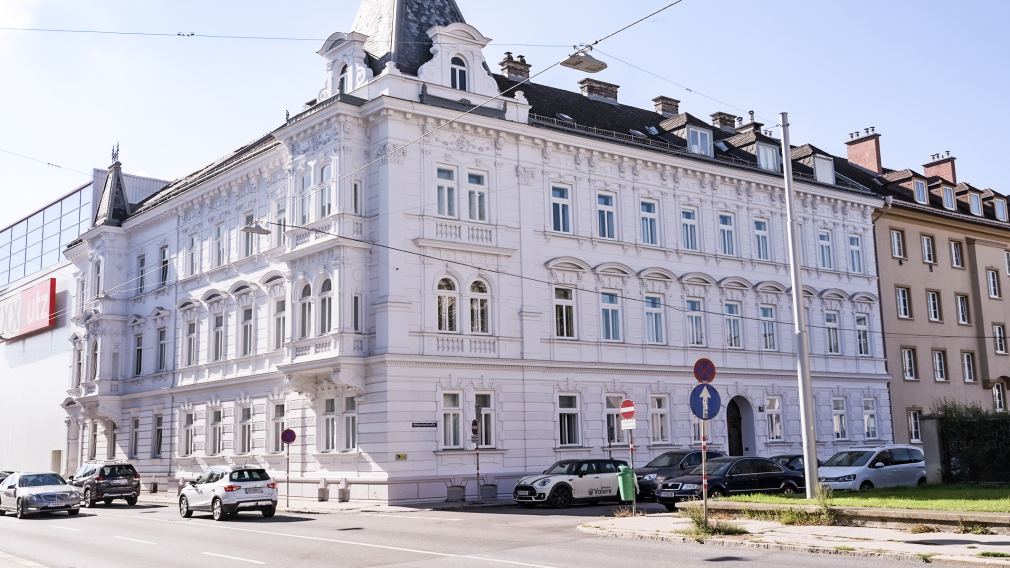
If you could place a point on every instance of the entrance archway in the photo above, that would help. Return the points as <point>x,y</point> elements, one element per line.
<point>740,427</point>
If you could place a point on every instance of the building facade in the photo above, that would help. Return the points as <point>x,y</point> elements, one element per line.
<point>524,266</point>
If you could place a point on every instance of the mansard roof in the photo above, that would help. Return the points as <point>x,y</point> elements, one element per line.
<point>397,30</point>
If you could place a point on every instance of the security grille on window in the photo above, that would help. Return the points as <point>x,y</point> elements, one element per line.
<point>446,193</point>
<point>999,338</point>
<point>908,367</point>
<point>329,424</point>
<point>216,432</point>
<point>188,434</point>
<point>613,416</point>
<point>855,254</point>
<point>157,435</point>
<point>451,418</point>
<point>278,424</point>
<point>933,306</point>
<point>610,312</point>
<point>689,229</point>
<point>992,279</point>
<point>350,423</point>
<point>564,313</point>
<point>479,307</point>
<point>961,303</point>
<point>654,328</point>
<point>831,330</point>
<point>862,335</point>
<point>956,256</point>
<point>247,331</point>
<point>734,325</point>
<point>477,198</point>
<point>928,250</point>
<point>914,433</point>
<point>825,251</point>
<point>968,366</point>
<point>245,430</point>
<point>695,323</point>
<point>762,249</point>
<point>659,419</point>
<point>561,210</point>
<point>649,220</point>
<point>727,234</point>
<point>568,420</point>
<point>605,212</point>
<point>485,415</point>
<point>897,244</point>
<point>448,300</point>
<point>769,333</point>
<point>838,419</point>
<point>939,365</point>
<point>903,302</point>
<point>869,419</point>
<point>773,418</point>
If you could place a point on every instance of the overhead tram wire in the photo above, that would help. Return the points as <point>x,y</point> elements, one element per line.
<point>46,162</point>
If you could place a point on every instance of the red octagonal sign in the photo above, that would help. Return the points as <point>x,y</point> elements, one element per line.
<point>627,409</point>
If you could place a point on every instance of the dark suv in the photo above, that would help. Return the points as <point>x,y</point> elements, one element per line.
<point>105,481</point>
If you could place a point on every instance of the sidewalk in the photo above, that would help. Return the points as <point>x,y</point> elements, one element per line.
<point>314,507</point>
<point>939,547</point>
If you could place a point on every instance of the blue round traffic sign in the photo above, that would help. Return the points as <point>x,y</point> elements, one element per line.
<point>705,402</point>
<point>704,370</point>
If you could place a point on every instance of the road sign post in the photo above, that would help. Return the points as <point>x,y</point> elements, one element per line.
<point>628,423</point>
<point>475,430</point>
<point>287,437</point>
<point>705,403</point>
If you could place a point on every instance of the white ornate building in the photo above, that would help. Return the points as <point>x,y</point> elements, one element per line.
<point>527,265</point>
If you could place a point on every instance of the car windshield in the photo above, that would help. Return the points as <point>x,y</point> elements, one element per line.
<point>848,459</point>
<point>561,468</point>
<point>249,475</point>
<point>666,460</point>
<point>40,479</point>
<point>714,467</point>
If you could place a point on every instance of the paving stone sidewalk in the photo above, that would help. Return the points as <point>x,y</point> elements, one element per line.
<point>939,547</point>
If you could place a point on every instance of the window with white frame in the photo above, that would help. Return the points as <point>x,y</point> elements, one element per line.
<point>248,239</point>
<point>838,419</point>
<point>162,354</point>
<point>855,254</point>
<point>689,229</point>
<point>476,191</point>
<point>325,199</point>
<point>961,305</point>
<point>141,272</point>
<point>305,312</point>
<point>110,441</point>
<point>78,370</point>
<point>356,313</point>
<point>216,431</point>
<point>606,210</point>
<point>975,204</point>
<point>564,313</point>
<point>948,198</point>
<point>1006,261</point>
<point>92,428</point>
<point>968,366</point>
<point>157,435</point>
<point>188,434</point>
<point>999,338</point>
<point>862,335</point>
<point>561,209</point>
<point>762,248</point>
<point>695,429</point>
<point>939,365</point>
<point>278,423</point>
<point>479,314</point>
<point>914,432</point>
<point>446,192</point>
<point>568,420</point>
<point>768,157</point>
<point>824,169</point>
<point>903,301</point>
<point>612,412</point>
<point>245,429</point>
<point>870,419</point>
<point>448,301</point>
<point>998,399</point>
<point>908,364</point>
<point>928,250</point>
<point>610,313</point>
<point>992,281</point>
<point>329,425</point>
<point>134,437</point>
<point>650,222</point>
<point>773,418</point>
<point>834,343</point>
<point>659,419</point>
<point>485,419</point>
<point>304,206</point>
<point>825,254</point>
<point>326,307</point>
<point>769,328</point>
<point>920,191</point>
<point>999,208</point>
<point>191,345</point>
<point>219,246</point>
<point>734,325</point>
<point>280,222</point>
<point>727,234</point>
<point>452,414</point>
<point>956,256</point>
<point>699,141</point>
<point>457,73</point>
<point>247,332</point>
<point>897,243</point>
<point>655,330</point>
<point>356,203</point>
<point>138,355</point>
<point>350,423</point>
<point>217,338</point>
<point>695,322</point>
<point>933,310</point>
<point>163,259</point>
<point>280,323</point>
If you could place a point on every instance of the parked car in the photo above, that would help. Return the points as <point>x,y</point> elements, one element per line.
<point>666,465</point>
<point>23,493</point>
<point>792,461</point>
<point>890,465</point>
<point>228,490</point>
<point>106,480</point>
<point>570,481</point>
<point>728,476</point>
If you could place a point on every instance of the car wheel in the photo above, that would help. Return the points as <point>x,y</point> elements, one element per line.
<point>184,510</point>
<point>866,486</point>
<point>716,492</point>
<point>560,497</point>
<point>88,501</point>
<point>269,512</point>
<point>19,510</point>
<point>73,512</point>
<point>107,501</point>
<point>789,489</point>
<point>217,510</point>
<point>2,511</point>
<point>131,501</point>
<point>670,507</point>
<point>921,482</point>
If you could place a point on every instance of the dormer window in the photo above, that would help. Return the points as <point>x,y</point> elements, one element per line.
<point>342,85</point>
<point>699,141</point>
<point>920,191</point>
<point>824,169</point>
<point>948,199</point>
<point>975,204</point>
<point>768,157</point>
<point>457,73</point>
<point>1000,207</point>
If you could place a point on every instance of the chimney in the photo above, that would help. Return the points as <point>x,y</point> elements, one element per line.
<point>864,149</point>
<point>666,106</point>
<point>724,121</point>
<point>599,90</point>
<point>941,165</point>
<point>515,69</point>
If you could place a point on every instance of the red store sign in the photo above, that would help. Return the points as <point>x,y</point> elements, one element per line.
<point>29,310</point>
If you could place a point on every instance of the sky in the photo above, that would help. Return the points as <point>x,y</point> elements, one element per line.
<point>929,75</point>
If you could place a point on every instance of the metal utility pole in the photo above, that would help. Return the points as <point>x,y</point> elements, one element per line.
<point>807,424</point>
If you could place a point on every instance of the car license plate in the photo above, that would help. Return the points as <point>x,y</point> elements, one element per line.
<point>667,493</point>
<point>120,481</point>
<point>524,492</point>
<point>254,490</point>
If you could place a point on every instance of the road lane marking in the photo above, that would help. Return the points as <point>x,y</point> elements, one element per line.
<point>21,561</point>
<point>340,541</point>
<point>62,528</point>
<point>398,516</point>
<point>136,540</point>
<point>239,559</point>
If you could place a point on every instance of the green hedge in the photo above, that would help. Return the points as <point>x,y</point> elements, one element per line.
<point>974,443</point>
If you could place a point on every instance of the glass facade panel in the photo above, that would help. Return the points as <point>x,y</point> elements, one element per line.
<point>37,243</point>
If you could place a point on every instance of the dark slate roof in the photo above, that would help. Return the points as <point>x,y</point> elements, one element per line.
<point>113,207</point>
<point>410,30</point>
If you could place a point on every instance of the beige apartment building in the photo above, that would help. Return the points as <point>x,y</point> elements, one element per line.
<point>943,260</point>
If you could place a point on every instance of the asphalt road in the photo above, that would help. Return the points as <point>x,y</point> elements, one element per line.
<point>155,536</point>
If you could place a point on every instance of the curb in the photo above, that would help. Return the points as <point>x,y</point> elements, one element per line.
<point>779,547</point>
<point>306,509</point>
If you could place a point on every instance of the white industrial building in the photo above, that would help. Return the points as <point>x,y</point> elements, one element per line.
<point>527,265</point>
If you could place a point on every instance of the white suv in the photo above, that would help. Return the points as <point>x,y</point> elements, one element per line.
<point>882,466</point>
<point>227,490</point>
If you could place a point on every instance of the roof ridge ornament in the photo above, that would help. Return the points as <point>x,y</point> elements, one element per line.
<point>115,153</point>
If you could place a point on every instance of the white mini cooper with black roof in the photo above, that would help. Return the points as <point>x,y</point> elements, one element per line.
<point>571,481</point>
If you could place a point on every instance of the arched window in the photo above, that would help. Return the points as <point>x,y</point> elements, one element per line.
<point>342,84</point>
<point>448,300</point>
<point>305,323</point>
<point>479,307</point>
<point>325,307</point>
<point>457,73</point>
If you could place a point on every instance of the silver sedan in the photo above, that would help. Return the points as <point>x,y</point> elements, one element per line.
<point>23,493</point>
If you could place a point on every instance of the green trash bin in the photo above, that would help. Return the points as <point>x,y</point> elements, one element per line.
<point>627,483</point>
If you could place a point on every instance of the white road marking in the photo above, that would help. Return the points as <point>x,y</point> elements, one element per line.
<point>233,558</point>
<point>340,541</point>
<point>21,561</point>
<point>398,516</point>
<point>62,528</point>
<point>136,540</point>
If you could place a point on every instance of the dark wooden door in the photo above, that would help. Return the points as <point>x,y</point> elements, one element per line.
<point>734,429</point>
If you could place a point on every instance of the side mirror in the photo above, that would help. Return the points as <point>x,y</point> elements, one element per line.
<point>545,472</point>
<point>71,478</point>
<point>878,465</point>
<point>191,483</point>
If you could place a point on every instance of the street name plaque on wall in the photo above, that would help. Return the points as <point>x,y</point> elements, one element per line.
<point>424,424</point>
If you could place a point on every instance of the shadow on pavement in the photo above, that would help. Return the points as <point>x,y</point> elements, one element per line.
<point>725,559</point>
<point>957,541</point>
<point>577,510</point>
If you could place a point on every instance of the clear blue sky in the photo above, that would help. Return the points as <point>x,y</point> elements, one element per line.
<point>930,75</point>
